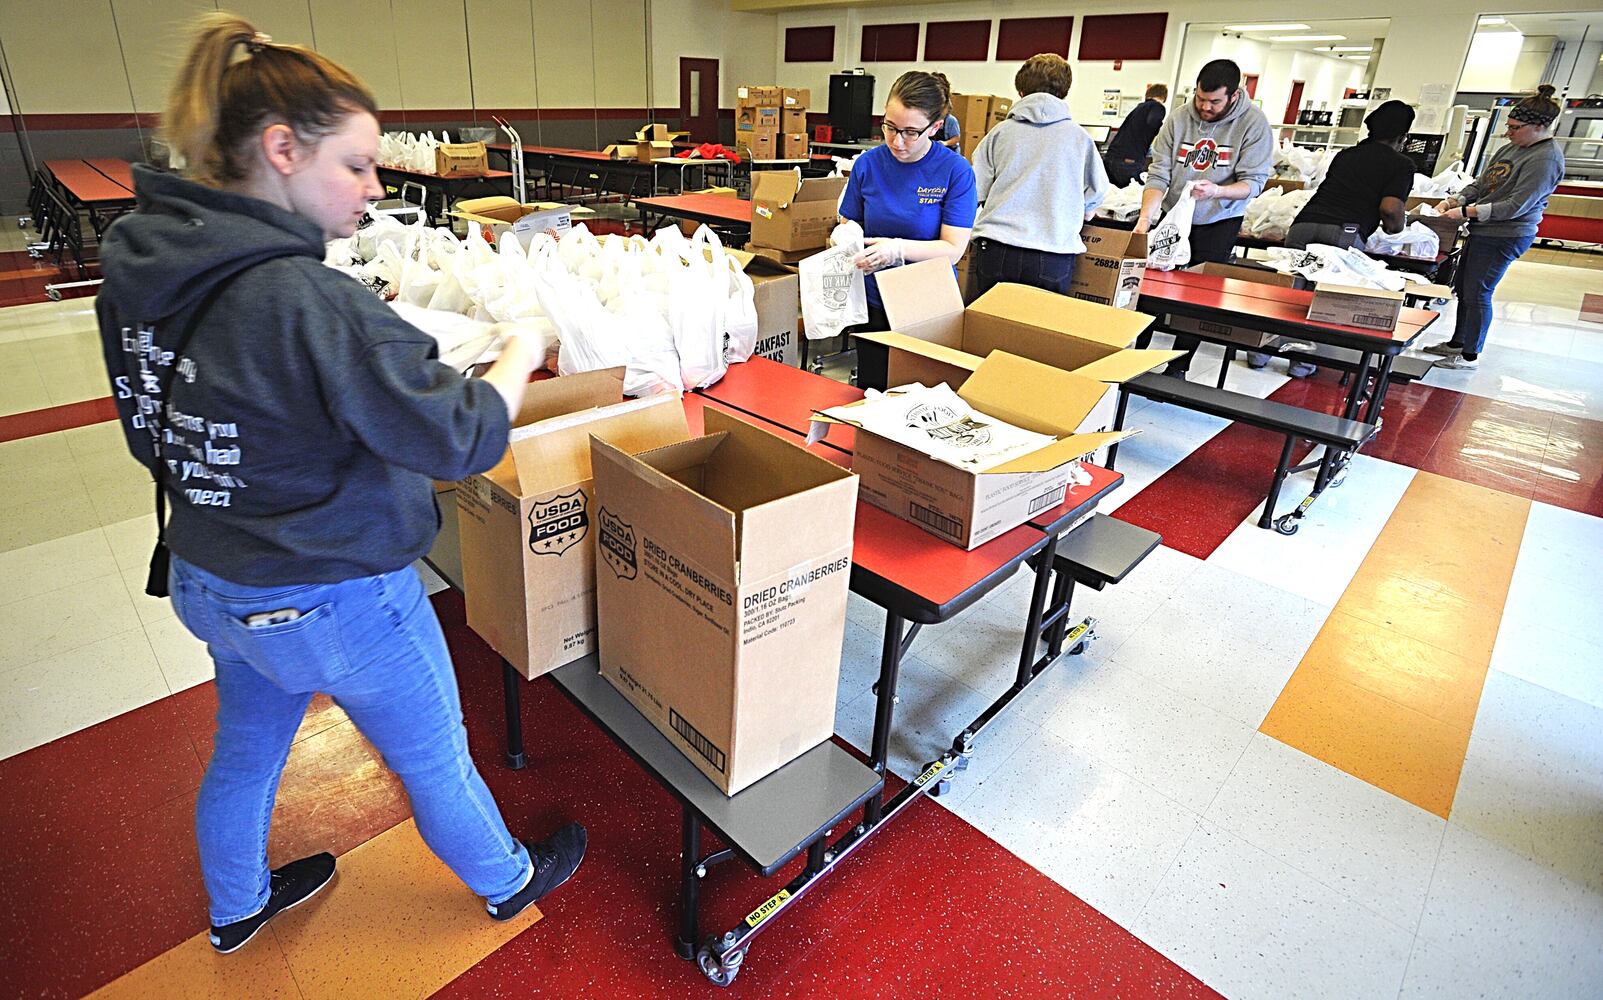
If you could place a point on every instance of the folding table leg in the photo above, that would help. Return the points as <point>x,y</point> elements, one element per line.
<point>1118,425</point>
<point>510,679</point>
<point>689,885</point>
<point>1268,518</point>
<point>890,664</point>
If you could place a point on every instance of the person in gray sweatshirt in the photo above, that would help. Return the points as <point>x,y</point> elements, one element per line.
<point>1222,145</point>
<point>1038,178</point>
<point>1504,206</point>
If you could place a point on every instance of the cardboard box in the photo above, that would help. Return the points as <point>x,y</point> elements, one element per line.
<point>794,147</point>
<point>792,122</point>
<point>1415,201</point>
<point>796,98</point>
<point>461,159</point>
<point>769,97</point>
<point>621,150</point>
<point>936,339</point>
<point>790,213</point>
<point>1284,184</point>
<point>769,119</point>
<point>500,214</point>
<point>1110,270</point>
<point>777,293</point>
<point>973,111</point>
<point>999,108</point>
<point>787,258</point>
<point>1346,305</point>
<point>528,525</point>
<point>721,593</point>
<point>1448,231</point>
<point>761,145</point>
<point>655,142</point>
<point>967,507</point>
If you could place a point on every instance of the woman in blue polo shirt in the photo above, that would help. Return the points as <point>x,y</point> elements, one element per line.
<point>913,197</point>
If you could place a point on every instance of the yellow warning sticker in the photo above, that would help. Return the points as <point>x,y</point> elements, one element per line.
<point>929,772</point>
<point>766,910</point>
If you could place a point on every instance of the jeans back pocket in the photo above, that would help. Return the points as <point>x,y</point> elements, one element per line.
<point>300,656</point>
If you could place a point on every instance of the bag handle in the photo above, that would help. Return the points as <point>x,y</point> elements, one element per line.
<point>160,557</point>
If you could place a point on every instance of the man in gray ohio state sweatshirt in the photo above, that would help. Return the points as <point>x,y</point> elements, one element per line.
<point>1221,143</point>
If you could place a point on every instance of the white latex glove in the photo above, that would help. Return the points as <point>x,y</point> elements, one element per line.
<point>880,252</point>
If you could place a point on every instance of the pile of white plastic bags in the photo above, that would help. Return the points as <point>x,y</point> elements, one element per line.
<point>406,151</point>
<point>675,311</point>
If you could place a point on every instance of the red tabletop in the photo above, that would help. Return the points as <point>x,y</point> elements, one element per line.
<point>705,206</point>
<point>86,184</point>
<point>117,171</point>
<point>785,395</point>
<point>1255,298</point>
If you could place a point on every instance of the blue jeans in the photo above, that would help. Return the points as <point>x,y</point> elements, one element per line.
<point>375,646</point>
<point>995,261</point>
<point>1481,268</point>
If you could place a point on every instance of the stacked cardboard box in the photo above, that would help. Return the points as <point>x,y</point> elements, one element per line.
<point>977,114</point>
<point>772,121</point>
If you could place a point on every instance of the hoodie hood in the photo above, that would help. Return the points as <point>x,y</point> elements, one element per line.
<point>1236,111</point>
<point>186,237</point>
<point>1040,109</point>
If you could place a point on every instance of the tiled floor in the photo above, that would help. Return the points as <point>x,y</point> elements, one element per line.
<point>1174,805</point>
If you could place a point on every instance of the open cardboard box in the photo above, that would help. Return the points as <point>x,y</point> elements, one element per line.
<point>655,142</point>
<point>499,214</point>
<point>721,592</point>
<point>970,507</point>
<point>461,159</point>
<point>527,526</point>
<point>792,213</point>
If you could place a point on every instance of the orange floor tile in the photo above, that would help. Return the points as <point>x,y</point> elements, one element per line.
<point>1388,690</point>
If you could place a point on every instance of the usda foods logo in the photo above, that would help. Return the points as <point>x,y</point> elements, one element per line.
<point>557,524</point>
<point>617,545</point>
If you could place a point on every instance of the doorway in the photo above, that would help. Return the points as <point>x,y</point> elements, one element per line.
<point>1294,104</point>
<point>698,98</point>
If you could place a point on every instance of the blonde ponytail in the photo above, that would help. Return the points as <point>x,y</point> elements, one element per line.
<point>236,81</point>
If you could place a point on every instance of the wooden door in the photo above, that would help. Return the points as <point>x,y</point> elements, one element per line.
<point>1294,104</point>
<point>698,98</point>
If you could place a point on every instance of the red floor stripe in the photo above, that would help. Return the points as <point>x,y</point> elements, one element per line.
<point>100,872</point>
<point>57,418</point>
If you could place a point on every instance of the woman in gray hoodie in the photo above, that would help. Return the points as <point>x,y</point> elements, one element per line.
<point>1038,178</point>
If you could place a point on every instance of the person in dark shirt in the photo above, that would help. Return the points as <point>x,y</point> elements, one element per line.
<point>1127,154</point>
<point>294,437</point>
<point>1366,186</point>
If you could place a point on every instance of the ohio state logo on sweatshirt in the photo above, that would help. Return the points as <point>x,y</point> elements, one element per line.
<point>1205,154</point>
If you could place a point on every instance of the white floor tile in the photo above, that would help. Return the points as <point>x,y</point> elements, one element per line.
<point>131,540</point>
<point>183,658</point>
<point>432,581</point>
<point>38,569</point>
<point>1093,829</point>
<point>1533,777</point>
<point>1176,744</point>
<point>1251,926</point>
<point>72,690</point>
<point>61,620</point>
<point>1499,925</point>
<point>150,609</point>
<point>1241,641</point>
<point>1558,579</point>
<point>1319,561</point>
<point>1370,846</point>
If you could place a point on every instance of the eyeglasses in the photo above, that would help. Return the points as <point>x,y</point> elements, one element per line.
<point>908,134</point>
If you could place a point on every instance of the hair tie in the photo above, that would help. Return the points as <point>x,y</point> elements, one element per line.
<point>258,42</point>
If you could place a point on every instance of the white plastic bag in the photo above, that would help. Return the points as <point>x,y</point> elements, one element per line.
<point>698,295</point>
<point>740,315</point>
<point>1417,240</point>
<point>833,293</point>
<point>1169,243</point>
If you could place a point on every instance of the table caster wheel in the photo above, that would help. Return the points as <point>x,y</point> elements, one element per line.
<point>1336,482</point>
<point>941,788</point>
<point>1286,524</point>
<point>1077,648</point>
<point>720,972</point>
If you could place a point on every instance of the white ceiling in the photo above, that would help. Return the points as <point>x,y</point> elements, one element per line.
<point>1358,31</point>
<point>1569,26</point>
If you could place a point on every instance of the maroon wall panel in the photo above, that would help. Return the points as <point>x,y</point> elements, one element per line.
<point>890,43</point>
<point>1122,36</point>
<point>957,41</point>
<point>1022,37</point>
<point>810,44</point>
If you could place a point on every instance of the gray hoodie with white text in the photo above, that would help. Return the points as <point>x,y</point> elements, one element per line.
<point>1238,147</point>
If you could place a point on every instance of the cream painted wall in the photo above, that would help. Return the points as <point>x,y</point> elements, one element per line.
<point>1505,60</point>
<point>747,47</point>
<point>48,81</point>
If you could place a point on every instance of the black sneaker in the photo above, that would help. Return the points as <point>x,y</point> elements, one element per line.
<point>292,885</point>
<point>555,860</point>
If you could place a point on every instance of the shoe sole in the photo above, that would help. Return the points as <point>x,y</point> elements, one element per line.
<point>229,951</point>
<point>548,892</point>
